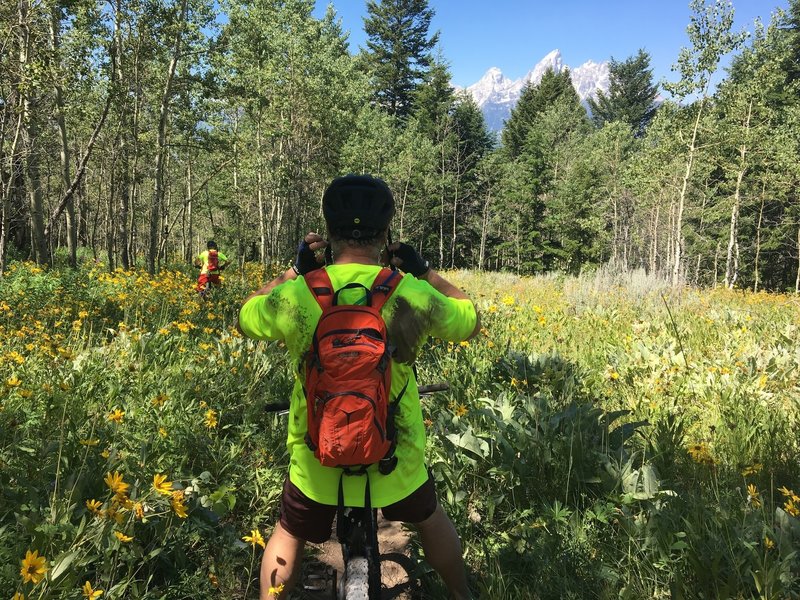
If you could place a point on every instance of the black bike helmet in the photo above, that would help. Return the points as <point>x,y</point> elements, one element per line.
<point>211,245</point>
<point>357,206</point>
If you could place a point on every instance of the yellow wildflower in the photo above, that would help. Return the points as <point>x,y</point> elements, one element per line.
<point>138,510</point>
<point>275,591</point>
<point>33,567</point>
<point>94,506</point>
<point>18,596</point>
<point>701,454</point>
<point>162,432</point>
<point>789,494</point>
<point>112,514</point>
<point>753,495</point>
<point>122,537</point>
<point>461,410</point>
<point>178,504</point>
<point>752,469</point>
<point>213,579</point>
<point>255,538</point>
<point>89,592</point>
<point>116,415</point>
<point>115,483</point>
<point>161,485</point>
<point>768,543</point>
<point>13,381</point>
<point>89,442</point>
<point>159,400</point>
<point>211,418</point>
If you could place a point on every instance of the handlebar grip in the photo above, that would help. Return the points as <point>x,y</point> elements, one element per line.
<point>434,387</point>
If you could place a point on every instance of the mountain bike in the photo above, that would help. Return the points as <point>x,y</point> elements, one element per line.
<point>368,574</point>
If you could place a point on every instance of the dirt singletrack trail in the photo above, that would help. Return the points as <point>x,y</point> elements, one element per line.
<point>392,538</point>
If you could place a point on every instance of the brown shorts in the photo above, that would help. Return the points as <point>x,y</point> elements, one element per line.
<point>309,520</point>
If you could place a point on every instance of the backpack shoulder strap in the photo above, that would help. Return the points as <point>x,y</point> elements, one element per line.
<point>319,282</point>
<point>385,283</point>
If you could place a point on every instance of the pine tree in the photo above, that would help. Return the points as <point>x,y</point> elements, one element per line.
<point>398,50</point>
<point>631,95</point>
<point>533,101</point>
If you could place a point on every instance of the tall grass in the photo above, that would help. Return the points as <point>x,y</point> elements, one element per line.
<point>604,436</point>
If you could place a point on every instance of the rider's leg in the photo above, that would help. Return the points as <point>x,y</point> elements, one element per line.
<point>280,564</point>
<point>442,548</point>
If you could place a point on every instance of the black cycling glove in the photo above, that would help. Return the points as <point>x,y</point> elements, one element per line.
<point>412,262</point>
<point>306,260</point>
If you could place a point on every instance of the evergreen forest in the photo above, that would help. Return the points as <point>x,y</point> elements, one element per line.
<point>133,130</point>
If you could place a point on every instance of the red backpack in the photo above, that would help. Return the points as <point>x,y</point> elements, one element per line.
<point>213,260</point>
<point>348,377</point>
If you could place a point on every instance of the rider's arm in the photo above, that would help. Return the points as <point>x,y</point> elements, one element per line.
<point>287,275</point>
<point>313,242</point>
<point>408,259</point>
<point>440,284</point>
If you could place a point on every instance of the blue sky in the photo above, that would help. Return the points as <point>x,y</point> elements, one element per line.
<point>514,35</point>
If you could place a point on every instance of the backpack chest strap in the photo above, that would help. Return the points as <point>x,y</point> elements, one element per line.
<point>319,283</point>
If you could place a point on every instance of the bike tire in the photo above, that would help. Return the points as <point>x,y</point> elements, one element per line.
<point>356,579</point>
<point>398,577</point>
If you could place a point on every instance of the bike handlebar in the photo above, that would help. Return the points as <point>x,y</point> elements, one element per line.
<point>433,387</point>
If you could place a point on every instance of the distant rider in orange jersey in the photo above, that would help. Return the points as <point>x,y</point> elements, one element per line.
<point>210,262</point>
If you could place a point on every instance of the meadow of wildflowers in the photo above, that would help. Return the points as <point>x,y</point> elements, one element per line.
<point>599,439</point>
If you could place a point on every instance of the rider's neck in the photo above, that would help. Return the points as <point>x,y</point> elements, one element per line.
<point>350,253</point>
<point>363,255</point>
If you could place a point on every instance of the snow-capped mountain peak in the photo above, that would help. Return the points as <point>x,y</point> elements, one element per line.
<point>551,61</point>
<point>493,84</point>
<point>496,94</point>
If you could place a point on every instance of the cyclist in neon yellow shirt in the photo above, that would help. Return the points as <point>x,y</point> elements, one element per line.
<point>210,262</point>
<point>358,210</point>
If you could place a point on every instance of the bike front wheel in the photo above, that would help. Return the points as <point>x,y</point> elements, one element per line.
<point>356,579</point>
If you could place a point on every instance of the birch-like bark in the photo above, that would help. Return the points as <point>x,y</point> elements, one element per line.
<point>30,136</point>
<point>758,236</point>
<point>163,119</point>
<point>61,123</point>
<point>676,266</point>
<point>732,263</point>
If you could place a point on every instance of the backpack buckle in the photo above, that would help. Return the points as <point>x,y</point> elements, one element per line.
<point>387,465</point>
